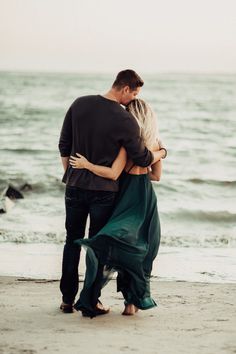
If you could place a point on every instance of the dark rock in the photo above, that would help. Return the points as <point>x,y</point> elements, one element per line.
<point>13,193</point>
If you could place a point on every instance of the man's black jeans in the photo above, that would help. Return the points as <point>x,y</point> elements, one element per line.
<point>79,204</point>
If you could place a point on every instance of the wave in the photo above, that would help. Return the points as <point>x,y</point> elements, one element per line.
<point>201,241</point>
<point>223,216</point>
<point>164,188</point>
<point>212,182</point>
<point>50,184</point>
<point>31,236</point>
<point>23,150</point>
<point>220,241</point>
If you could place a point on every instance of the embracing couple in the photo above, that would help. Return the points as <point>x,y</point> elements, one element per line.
<point>109,155</point>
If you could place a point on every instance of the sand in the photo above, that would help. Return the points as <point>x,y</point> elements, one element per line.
<point>190,318</point>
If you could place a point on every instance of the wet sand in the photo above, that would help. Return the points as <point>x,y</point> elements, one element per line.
<point>190,318</point>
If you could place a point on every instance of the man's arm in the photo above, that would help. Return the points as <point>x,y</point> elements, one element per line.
<point>159,152</point>
<point>134,144</point>
<point>65,162</point>
<point>156,167</point>
<point>65,141</point>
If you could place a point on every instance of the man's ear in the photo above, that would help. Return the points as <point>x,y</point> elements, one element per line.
<point>126,89</point>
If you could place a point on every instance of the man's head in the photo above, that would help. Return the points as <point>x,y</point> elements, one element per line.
<point>127,86</point>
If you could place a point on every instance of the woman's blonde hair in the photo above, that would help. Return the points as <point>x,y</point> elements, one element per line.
<point>146,119</point>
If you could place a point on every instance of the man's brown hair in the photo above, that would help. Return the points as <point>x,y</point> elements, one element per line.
<point>128,78</point>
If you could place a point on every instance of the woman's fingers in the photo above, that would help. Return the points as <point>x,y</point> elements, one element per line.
<point>77,158</point>
<point>75,162</point>
<point>80,156</point>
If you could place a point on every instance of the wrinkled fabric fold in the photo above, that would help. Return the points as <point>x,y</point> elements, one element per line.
<point>128,244</point>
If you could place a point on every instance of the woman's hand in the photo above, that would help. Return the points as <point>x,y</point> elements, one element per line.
<point>79,162</point>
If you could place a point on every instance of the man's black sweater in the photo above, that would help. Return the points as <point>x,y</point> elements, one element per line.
<point>97,127</point>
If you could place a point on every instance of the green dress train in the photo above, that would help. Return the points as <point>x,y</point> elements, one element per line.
<point>128,244</point>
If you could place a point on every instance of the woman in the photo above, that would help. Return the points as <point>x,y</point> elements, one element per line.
<point>129,242</point>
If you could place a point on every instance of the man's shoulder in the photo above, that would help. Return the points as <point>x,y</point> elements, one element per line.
<point>84,99</point>
<point>122,112</point>
<point>125,121</point>
<point>124,115</point>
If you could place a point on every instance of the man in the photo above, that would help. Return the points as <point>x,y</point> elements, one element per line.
<point>95,126</point>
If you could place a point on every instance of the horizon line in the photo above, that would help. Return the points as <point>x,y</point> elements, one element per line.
<point>86,72</point>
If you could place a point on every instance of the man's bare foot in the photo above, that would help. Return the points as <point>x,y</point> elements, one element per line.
<point>136,309</point>
<point>129,310</point>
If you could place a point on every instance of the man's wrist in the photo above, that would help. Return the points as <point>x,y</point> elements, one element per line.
<point>164,152</point>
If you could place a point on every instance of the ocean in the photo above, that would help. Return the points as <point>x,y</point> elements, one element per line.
<point>197,122</point>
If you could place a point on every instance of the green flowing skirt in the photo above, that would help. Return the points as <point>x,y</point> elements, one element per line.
<point>128,244</point>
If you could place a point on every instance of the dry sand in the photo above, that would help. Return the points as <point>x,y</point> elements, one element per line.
<point>190,318</point>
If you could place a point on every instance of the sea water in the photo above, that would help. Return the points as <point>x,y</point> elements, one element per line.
<point>196,116</point>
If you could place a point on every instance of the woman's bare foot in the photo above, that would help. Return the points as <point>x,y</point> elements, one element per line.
<point>100,306</point>
<point>129,310</point>
<point>136,309</point>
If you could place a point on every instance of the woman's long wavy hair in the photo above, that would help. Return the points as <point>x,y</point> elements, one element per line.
<point>146,119</point>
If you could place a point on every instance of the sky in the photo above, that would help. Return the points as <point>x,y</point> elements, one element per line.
<point>108,35</point>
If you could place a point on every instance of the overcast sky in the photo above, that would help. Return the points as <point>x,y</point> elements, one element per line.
<point>107,35</point>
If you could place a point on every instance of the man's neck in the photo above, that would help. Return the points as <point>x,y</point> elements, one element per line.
<point>112,95</point>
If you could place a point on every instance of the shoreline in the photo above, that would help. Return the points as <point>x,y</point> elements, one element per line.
<point>191,318</point>
<point>43,260</point>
